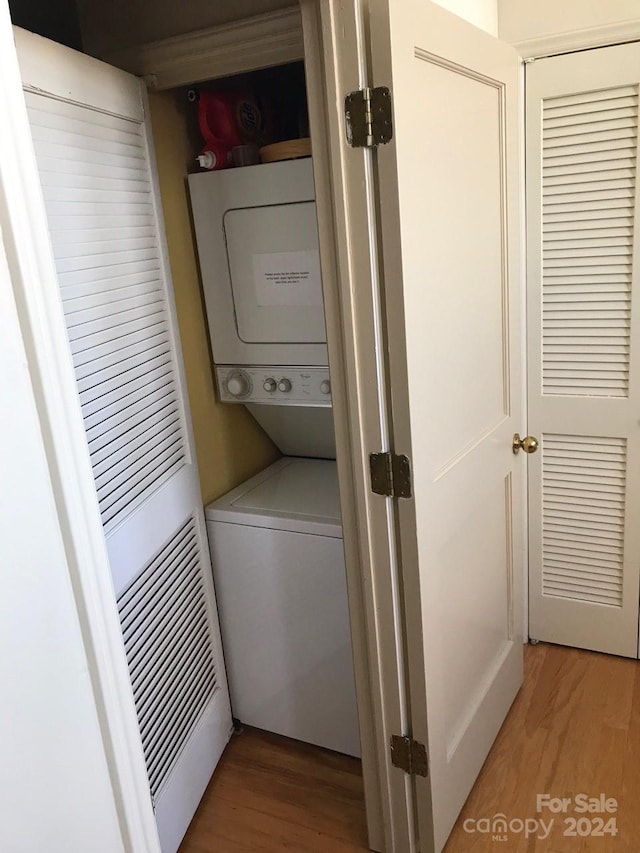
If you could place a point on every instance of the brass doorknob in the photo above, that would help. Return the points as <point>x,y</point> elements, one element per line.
<point>528,444</point>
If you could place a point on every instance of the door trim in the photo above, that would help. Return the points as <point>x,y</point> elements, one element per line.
<point>26,237</point>
<point>583,39</point>
<point>354,313</point>
<point>274,38</point>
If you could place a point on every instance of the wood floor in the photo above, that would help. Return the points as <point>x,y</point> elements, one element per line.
<point>270,793</point>
<point>574,728</point>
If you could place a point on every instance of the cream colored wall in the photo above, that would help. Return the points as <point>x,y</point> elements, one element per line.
<point>229,443</point>
<point>480,13</point>
<point>522,20</point>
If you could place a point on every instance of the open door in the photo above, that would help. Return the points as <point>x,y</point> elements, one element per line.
<point>92,144</point>
<point>447,198</point>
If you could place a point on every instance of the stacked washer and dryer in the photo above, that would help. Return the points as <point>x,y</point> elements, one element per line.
<point>276,540</point>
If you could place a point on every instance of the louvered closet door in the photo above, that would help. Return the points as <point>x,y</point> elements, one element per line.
<point>92,147</point>
<point>584,348</point>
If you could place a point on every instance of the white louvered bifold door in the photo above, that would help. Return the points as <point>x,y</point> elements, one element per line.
<point>584,348</point>
<point>92,145</point>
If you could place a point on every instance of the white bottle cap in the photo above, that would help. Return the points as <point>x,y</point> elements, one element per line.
<point>207,160</point>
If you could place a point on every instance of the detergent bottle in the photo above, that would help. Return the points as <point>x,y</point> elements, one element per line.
<point>226,120</point>
<point>214,155</point>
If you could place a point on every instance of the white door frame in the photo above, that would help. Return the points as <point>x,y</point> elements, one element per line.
<point>360,395</point>
<point>26,238</point>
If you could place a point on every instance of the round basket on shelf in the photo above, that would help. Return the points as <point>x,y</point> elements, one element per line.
<point>290,149</point>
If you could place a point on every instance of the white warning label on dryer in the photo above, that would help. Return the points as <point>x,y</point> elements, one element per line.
<point>287,279</point>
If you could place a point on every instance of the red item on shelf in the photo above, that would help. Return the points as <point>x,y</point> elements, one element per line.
<point>230,118</point>
<point>214,156</point>
<point>227,120</point>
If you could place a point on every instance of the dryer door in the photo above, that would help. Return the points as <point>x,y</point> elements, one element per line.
<point>274,265</point>
<point>257,238</point>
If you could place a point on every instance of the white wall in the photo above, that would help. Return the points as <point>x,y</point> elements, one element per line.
<point>481,13</point>
<point>55,790</point>
<point>523,20</point>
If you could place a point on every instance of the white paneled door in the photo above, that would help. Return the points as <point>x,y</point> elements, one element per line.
<point>584,348</point>
<point>449,226</point>
<point>92,144</point>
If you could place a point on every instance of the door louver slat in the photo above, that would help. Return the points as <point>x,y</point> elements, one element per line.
<point>168,645</point>
<point>97,190</point>
<point>583,511</point>
<point>588,199</point>
<point>134,360</point>
<point>175,649</point>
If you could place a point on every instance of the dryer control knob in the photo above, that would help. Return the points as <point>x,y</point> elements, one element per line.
<point>325,386</point>
<point>284,385</point>
<point>238,384</point>
<point>270,385</point>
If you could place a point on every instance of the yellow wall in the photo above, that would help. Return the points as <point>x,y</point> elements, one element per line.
<point>229,443</point>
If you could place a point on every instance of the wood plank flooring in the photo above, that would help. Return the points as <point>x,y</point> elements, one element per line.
<point>574,728</point>
<point>270,793</point>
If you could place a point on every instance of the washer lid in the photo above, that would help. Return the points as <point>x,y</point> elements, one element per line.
<point>294,494</point>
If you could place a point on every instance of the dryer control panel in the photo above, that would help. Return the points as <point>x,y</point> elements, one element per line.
<point>277,386</point>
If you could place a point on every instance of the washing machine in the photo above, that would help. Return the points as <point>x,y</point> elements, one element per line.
<point>276,548</point>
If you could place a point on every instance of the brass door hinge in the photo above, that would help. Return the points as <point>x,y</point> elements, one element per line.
<point>390,474</point>
<point>409,755</point>
<point>368,117</point>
